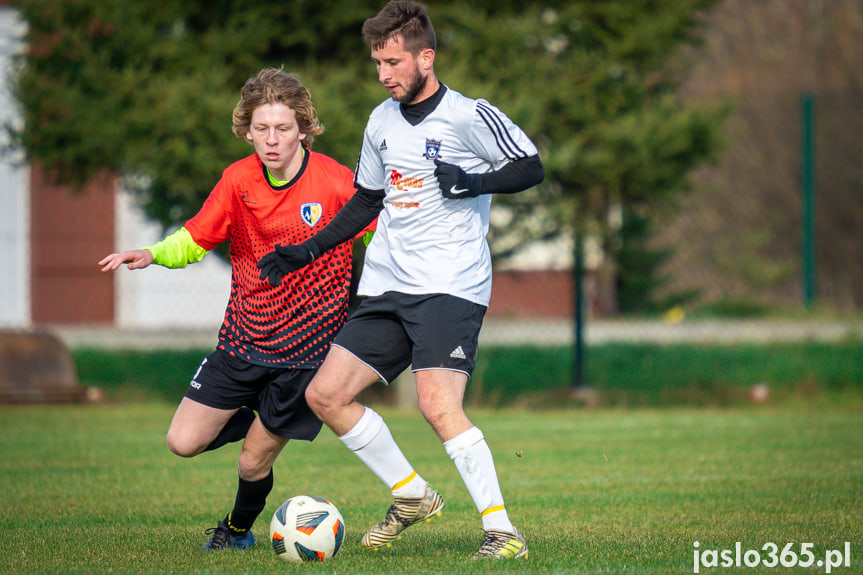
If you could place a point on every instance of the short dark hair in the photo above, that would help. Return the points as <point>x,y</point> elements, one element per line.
<point>410,20</point>
<point>275,86</point>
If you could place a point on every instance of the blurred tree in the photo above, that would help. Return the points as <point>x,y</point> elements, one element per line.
<point>145,88</point>
<point>595,84</point>
<point>639,281</point>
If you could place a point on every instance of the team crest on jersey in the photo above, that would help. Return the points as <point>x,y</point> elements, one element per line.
<point>311,213</point>
<point>432,149</point>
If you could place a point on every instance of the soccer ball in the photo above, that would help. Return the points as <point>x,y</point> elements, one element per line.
<point>306,528</point>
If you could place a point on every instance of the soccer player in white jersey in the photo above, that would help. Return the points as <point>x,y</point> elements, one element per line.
<point>430,160</point>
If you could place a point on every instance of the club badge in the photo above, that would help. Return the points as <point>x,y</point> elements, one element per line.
<point>311,213</point>
<point>432,149</point>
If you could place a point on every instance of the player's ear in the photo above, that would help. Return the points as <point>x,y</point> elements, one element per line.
<point>426,59</point>
<point>248,136</point>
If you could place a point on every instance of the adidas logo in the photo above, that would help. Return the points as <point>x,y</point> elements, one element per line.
<point>458,353</point>
<point>383,146</point>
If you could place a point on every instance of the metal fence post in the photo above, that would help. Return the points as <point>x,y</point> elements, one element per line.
<point>578,357</point>
<point>808,199</point>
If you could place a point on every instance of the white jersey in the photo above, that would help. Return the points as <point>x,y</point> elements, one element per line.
<point>426,243</point>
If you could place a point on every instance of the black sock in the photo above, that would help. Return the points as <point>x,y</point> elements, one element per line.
<point>251,500</point>
<point>235,429</point>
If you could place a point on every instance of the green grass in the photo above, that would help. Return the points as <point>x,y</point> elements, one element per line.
<point>93,489</point>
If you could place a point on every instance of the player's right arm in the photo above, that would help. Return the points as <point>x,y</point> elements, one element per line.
<point>189,244</point>
<point>175,251</point>
<point>135,259</point>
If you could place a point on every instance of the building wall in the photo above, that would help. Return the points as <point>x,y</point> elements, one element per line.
<point>70,231</point>
<point>14,196</point>
<point>520,294</point>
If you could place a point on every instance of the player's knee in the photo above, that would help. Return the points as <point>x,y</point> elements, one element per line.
<point>317,401</point>
<point>180,444</point>
<point>443,417</point>
<point>432,413</point>
<point>434,418</point>
<point>253,467</point>
<point>431,408</point>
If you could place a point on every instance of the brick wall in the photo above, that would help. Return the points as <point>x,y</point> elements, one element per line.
<point>70,231</point>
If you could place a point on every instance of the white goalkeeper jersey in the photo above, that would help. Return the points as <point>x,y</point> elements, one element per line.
<point>426,243</point>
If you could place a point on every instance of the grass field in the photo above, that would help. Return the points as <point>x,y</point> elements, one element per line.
<point>94,490</point>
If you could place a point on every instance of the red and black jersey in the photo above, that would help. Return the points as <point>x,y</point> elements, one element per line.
<point>291,325</point>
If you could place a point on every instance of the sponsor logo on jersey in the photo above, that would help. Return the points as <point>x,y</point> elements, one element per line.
<point>405,205</point>
<point>402,183</point>
<point>383,146</point>
<point>245,194</point>
<point>311,213</point>
<point>432,149</point>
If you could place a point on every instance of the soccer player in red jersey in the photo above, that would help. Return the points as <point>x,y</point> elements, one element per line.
<point>273,337</point>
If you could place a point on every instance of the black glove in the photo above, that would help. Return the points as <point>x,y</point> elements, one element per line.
<point>455,183</point>
<point>286,259</point>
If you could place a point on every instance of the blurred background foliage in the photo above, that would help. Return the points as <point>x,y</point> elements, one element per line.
<point>670,131</point>
<point>145,89</point>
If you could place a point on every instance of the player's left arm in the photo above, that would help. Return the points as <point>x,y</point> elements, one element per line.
<point>515,176</point>
<point>492,136</point>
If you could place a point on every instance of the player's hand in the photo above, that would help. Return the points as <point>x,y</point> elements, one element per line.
<point>134,260</point>
<point>455,183</point>
<point>286,259</point>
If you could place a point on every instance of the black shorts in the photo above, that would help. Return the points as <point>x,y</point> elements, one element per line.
<point>392,331</point>
<point>224,381</point>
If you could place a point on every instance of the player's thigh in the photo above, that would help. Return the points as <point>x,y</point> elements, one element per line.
<point>221,385</point>
<point>341,378</point>
<point>195,426</point>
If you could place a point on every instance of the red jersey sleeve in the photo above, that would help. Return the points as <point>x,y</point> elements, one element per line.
<point>212,224</point>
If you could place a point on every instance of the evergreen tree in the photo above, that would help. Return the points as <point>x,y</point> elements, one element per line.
<point>596,85</point>
<point>145,88</point>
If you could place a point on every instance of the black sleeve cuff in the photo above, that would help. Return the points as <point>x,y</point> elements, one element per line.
<point>360,211</point>
<point>515,176</point>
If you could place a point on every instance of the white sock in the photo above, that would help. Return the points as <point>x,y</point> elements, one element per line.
<point>370,439</point>
<point>473,459</point>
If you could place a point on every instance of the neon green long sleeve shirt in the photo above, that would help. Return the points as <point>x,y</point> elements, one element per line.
<point>177,250</point>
